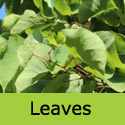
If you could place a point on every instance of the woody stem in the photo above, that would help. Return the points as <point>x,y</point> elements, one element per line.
<point>42,58</point>
<point>68,63</point>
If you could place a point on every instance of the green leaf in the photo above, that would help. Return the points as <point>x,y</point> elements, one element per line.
<point>73,84</point>
<point>119,4</point>
<point>110,67</point>
<point>92,8</point>
<point>63,56</point>
<point>56,27</point>
<point>38,36</point>
<point>59,41</point>
<point>121,29</point>
<point>122,58</point>
<point>9,21</point>
<point>27,20</point>
<point>40,27</point>
<point>89,86</point>
<point>120,43</point>
<point>121,11</point>
<point>55,84</point>
<point>109,40</point>
<point>9,64</point>
<point>87,46</point>
<point>42,50</point>
<point>5,35</point>
<point>28,4</point>
<point>97,25</point>
<point>107,37</point>
<point>122,16</point>
<point>12,6</point>
<point>35,69</point>
<point>110,18</point>
<point>37,3</point>
<point>25,51</point>
<point>74,5</point>
<point>70,83</point>
<point>3,45</point>
<point>54,45</point>
<point>62,7</point>
<point>117,82</point>
<point>115,57</point>
<point>36,87</point>
<point>45,8</point>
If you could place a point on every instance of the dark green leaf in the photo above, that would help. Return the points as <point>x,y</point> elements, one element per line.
<point>55,84</point>
<point>92,8</point>
<point>36,87</point>
<point>38,36</point>
<point>110,18</point>
<point>117,82</point>
<point>28,4</point>
<point>12,6</point>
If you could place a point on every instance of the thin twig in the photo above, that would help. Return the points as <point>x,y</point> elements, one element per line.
<point>68,63</point>
<point>101,90</point>
<point>85,26</point>
<point>76,62</point>
<point>82,71</point>
<point>48,60</point>
<point>98,87</point>
<point>39,23</point>
<point>42,58</point>
<point>50,52</point>
<point>73,79</point>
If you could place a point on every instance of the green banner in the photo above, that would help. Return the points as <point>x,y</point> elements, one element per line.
<point>62,109</point>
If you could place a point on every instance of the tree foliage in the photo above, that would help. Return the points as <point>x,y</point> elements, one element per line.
<point>77,46</point>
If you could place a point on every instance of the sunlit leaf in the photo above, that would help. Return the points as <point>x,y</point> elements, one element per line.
<point>86,46</point>
<point>62,7</point>
<point>9,64</point>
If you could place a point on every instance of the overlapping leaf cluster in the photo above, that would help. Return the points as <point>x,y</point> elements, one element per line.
<point>77,46</point>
